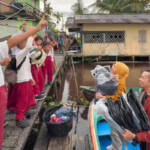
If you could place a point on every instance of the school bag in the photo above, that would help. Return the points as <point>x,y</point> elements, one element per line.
<point>11,70</point>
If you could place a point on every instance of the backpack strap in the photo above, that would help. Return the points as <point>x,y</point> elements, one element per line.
<point>19,66</point>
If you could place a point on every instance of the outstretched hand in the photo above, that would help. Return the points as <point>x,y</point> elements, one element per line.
<point>128,135</point>
<point>42,24</point>
<point>5,61</point>
<point>99,95</point>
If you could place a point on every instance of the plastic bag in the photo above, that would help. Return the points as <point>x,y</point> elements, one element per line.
<point>129,113</point>
<point>139,110</point>
<point>101,109</point>
<point>64,111</point>
<point>106,82</point>
<point>122,114</point>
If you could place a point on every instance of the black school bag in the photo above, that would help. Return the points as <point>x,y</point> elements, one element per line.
<point>10,73</point>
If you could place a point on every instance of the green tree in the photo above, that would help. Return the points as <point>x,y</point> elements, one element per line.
<point>50,11</point>
<point>139,5</point>
<point>78,8</point>
<point>121,6</point>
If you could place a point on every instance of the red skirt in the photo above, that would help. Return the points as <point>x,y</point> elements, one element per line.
<point>41,79</point>
<point>48,69</point>
<point>21,98</point>
<point>34,71</point>
<point>2,111</point>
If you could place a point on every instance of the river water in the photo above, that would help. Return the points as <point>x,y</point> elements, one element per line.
<point>81,75</point>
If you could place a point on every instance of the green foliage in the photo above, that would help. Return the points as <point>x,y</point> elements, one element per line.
<point>121,6</point>
<point>50,11</point>
<point>78,8</point>
<point>83,101</point>
<point>50,102</point>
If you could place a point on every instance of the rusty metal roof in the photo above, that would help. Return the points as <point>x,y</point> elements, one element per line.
<point>70,24</point>
<point>113,18</point>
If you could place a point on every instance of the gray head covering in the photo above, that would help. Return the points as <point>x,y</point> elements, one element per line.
<point>106,82</point>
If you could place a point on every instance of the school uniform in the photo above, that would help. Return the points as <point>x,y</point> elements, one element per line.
<point>3,54</point>
<point>34,71</point>
<point>47,69</point>
<point>22,98</point>
<point>38,58</point>
<point>53,59</point>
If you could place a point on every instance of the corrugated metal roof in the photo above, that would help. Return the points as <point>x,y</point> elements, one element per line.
<point>113,18</point>
<point>70,21</point>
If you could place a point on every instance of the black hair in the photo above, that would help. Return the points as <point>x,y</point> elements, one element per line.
<point>38,38</point>
<point>147,70</point>
<point>45,42</point>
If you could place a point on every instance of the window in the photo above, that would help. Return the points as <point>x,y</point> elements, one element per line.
<point>142,36</point>
<point>104,37</point>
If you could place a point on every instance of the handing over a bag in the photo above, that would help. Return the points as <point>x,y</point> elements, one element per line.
<point>143,136</point>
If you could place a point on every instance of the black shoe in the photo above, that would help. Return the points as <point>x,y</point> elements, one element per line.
<point>5,123</point>
<point>30,113</point>
<point>11,111</point>
<point>42,93</point>
<point>39,97</point>
<point>49,82</point>
<point>22,123</point>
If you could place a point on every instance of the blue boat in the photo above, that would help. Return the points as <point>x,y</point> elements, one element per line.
<point>100,130</point>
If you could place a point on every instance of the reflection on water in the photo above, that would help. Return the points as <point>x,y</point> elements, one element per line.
<point>65,94</point>
<point>84,77</point>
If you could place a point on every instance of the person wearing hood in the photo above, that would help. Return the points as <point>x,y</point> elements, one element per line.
<point>122,71</point>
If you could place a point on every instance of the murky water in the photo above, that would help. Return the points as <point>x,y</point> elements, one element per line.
<point>83,77</point>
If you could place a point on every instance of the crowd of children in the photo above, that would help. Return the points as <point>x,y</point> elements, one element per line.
<point>33,55</point>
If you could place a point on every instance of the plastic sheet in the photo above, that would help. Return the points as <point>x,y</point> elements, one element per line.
<point>122,114</point>
<point>106,82</point>
<point>139,110</point>
<point>101,109</point>
<point>129,113</point>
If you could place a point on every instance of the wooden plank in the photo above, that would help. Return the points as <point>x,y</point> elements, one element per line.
<point>6,148</point>
<point>73,142</point>
<point>78,137</point>
<point>66,143</point>
<point>55,144</point>
<point>14,137</point>
<point>42,140</point>
<point>80,144</point>
<point>87,142</point>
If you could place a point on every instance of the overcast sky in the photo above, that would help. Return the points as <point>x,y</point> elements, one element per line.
<point>65,5</point>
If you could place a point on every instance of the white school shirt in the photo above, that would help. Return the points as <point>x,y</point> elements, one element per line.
<point>3,54</point>
<point>14,51</point>
<point>51,53</point>
<point>24,73</point>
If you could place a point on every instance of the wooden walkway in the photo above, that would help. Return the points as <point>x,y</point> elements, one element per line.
<point>77,139</point>
<point>15,138</point>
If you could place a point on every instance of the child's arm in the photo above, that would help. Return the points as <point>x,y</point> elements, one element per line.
<point>13,41</point>
<point>5,61</point>
<point>3,50</point>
